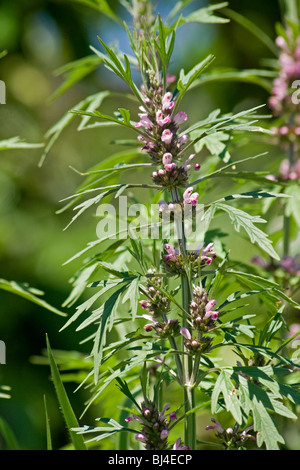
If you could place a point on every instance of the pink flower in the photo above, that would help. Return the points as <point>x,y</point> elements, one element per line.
<point>144,304</point>
<point>170,166</point>
<point>167,158</point>
<point>169,249</point>
<point>217,426</point>
<point>284,168</point>
<point>194,199</point>
<point>170,79</point>
<point>178,446</point>
<point>186,163</point>
<point>144,121</point>
<point>167,136</point>
<point>283,130</point>
<point>161,120</point>
<point>162,206</point>
<point>185,333</point>
<point>164,434</point>
<point>166,101</point>
<point>180,117</point>
<point>280,42</point>
<point>186,195</point>
<point>140,437</point>
<point>173,416</point>
<point>189,197</point>
<point>183,140</point>
<point>207,254</point>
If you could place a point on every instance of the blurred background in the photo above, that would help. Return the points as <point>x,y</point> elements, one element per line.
<point>41,36</point>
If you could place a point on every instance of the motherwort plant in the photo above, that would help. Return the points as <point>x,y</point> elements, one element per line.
<point>164,315</point>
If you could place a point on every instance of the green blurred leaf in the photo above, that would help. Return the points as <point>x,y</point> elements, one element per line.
<point>8,436</point>
<point>253,28</point>
<point>68,413</point>
<point>102,6</point>
<point>262,78</point>
<point>205,15</point>
<point>100,338</point>
<point>17,143</point>
<point>186,80</point>
<point>75,71</point>
<point>48,430</point>
<point>29,293</point>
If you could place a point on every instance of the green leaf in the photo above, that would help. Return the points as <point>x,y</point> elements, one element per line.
<point>235,296</point>
<point>216,143</point>
<point>85,306</point>
<point>104,166</point>
<point>122,385</point>
<point>3,392</point>
<point>106,431</point>
<point>80,283</point>
<point>56,130</point>
<point>225,387</point>
<point>102,6</point>
<point>256,194</point>
<point>48,430</point>
<point>253,280</point>
<point>205,15</point>
<point>273,325</point>
<point>133,294</point>
<point>115,65</point>
<point>100,338</point>
<point>258,401</point>
<point>29,293</point>
<point>17,143</point>
<point>253,28</point>
<point>186,80</point>
<point>220,171</point>
<point>238,328</point>
<point>262,78</point>
<point>68,413</point>
<point>8,436</point>
<point>241,219</point>
<point>75,71</point>
<point>105,117</point>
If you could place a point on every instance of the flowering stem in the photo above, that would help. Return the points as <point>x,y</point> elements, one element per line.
<point>177,358</point>
<point>188,387</point>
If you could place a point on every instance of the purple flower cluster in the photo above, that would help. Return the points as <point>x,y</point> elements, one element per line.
<point>200,345</point>
<point>290,264</point>
<point>232,438</point>
<point>289,62</point>
<point>157,303</point>
<point>179,446</point>
<point>288,171</point>
<point>155,425</point>
<point>159,135</point>
<point>174,261</point>
<point>164,329</point>
<point>202,311</point>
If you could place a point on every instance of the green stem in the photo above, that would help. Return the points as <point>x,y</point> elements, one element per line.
<point>188,385</point>
<point>287,219</point>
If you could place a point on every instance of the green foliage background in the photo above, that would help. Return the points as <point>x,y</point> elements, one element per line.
<point>40,37</point>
